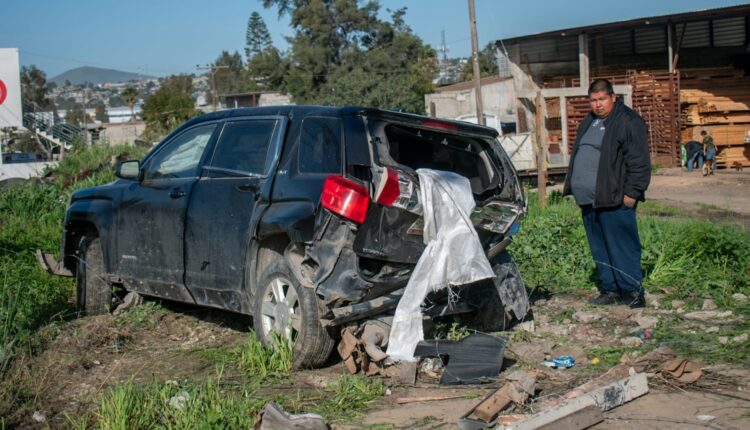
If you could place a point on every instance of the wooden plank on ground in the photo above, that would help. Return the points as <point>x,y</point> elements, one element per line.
<point>581,419</point>
<point>604,398</point>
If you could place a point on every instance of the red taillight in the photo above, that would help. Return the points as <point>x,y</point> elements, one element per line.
<point>439,124</point>
<point>390,189</point>
<point>345,198</point>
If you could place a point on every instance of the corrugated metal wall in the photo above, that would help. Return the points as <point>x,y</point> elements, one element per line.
<point>697,34</point>
<point>550,50</point>
<point>729,31</point>
<point>650,40</point>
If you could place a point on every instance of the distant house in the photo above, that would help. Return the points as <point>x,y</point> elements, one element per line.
<point>457,100</point>
<point>123,114</point>
<point>254,99</point>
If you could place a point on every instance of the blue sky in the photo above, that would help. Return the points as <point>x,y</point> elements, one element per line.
<point>162,37</point>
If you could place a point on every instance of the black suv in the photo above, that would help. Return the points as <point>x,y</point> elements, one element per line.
<point>306,218</point>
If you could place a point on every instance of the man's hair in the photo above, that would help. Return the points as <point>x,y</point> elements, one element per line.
<point>600,85</point>
<point>703,132</point>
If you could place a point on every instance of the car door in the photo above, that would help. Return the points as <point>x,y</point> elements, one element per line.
<point>222,205</point>
<point>151,215</point>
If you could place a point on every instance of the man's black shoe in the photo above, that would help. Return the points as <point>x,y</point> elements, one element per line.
<point>606,298</point>
<point>633,300</point>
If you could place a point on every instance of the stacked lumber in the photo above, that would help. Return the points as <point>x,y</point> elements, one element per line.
<point>717,100</point>
<point>734,157</point>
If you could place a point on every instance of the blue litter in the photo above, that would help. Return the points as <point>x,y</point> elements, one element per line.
<point>561,362</point>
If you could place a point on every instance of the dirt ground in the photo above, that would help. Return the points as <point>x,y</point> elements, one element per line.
<point>714,195</point>
<point>83,357</point>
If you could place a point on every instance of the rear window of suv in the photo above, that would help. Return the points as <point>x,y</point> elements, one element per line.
<point>320,145</point>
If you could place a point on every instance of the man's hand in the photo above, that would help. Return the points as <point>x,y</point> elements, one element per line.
<point>629,201</point>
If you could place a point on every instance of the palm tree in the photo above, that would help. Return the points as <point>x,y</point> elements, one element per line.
<point>130,96</point>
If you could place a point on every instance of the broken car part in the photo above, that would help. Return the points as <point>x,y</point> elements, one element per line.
<point>471,360</point>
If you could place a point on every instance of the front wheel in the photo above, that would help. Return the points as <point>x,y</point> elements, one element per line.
<point>285,307</point>
<point>93,290</point>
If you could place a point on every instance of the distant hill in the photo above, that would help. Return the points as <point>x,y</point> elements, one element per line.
<point>95,75</point>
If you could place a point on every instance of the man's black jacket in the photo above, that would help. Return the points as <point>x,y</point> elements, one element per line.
<point>624,164</point>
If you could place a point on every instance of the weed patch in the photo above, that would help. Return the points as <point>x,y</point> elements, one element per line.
<point>681,258</point>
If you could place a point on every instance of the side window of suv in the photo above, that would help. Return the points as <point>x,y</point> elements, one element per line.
<point>243,146</point>
<point>180,157</point>
<point>320,145</point>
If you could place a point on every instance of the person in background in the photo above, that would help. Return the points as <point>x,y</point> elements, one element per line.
<point>709,151</point>
<point>609,172</point>
<point>693,152</point>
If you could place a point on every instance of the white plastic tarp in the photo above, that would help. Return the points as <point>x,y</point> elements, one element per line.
<point>453,255</point>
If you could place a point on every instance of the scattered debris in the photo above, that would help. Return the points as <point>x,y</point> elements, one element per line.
<point>646,322</point>
<point>677,304</point>
<point>274,418</point>
<point>723,340</point>
<point>631,341</point>
<point>39,416</point>
<point>527,326</point>
<point>179,401</point>
<point>683,370</point>
<point>707,315</point>
<point>713,329</point>
<point>705,418</point>
<point>405,400</point>
<point>561,362</point>
<point>131,300</point>
<point>740,339</point>
<point>708,305</point>
<point>587,316</point>
<point>361,346</point>
<point>739,297</point>
<point>519,388</point>
<point>473,359</point>
<point>532,352</point>
<point>584,408</point>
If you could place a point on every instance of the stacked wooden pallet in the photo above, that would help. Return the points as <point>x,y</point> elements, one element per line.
<point>717,101</point>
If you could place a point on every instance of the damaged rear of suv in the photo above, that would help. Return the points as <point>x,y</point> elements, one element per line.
<point>307,218</point>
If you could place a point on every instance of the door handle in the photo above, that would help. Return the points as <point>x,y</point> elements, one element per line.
<point>247,187</point>
<point>176,193</point>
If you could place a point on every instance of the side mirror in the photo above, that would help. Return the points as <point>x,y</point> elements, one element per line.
<point>130,169</point>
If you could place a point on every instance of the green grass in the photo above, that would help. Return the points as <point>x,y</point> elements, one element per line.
<point>215,403</point>
<point>31,218</point>
<point>683,258</point>
<point>254,359</point>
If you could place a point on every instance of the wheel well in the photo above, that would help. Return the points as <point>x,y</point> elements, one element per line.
<point>74,232</point>
<point>268,249</point>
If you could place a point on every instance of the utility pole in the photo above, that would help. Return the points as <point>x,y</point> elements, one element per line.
<point>213,70</point>
<point>475,55</point>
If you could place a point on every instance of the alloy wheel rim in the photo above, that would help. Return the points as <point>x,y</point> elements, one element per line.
<point>280,310</point>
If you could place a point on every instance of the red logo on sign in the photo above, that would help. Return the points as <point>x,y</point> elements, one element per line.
<point>3,91</point>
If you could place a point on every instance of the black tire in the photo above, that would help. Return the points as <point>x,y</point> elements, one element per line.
<point>281,302</point>
<point>94,292</point>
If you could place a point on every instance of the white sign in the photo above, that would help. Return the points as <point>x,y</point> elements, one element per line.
<point>10,88</point>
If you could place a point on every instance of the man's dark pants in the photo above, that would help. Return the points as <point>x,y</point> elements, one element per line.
<point>615,246</point>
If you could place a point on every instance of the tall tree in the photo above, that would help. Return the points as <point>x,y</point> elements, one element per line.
<point>267,69</point>
<point>130,96</point>
<point>342,53</point>
<point>487,64</point>
<point>34,87</point>
<point>169,106</point>
<point>257,38</point>
<point>100,111</point>
<point>229,74</point>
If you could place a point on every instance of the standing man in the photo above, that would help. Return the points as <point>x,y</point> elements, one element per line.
<point>609,172</point>
<point>709,149</point>
<point>694,151</point>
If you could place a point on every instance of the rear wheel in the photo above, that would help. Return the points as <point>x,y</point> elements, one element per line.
<point>93,290</point>
<point>285,307</point>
